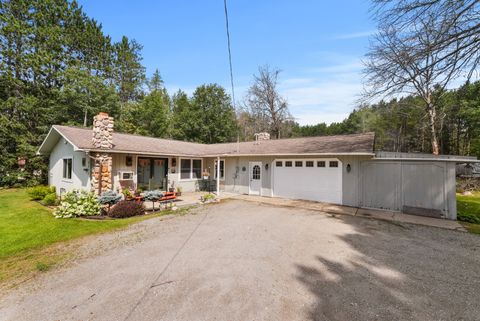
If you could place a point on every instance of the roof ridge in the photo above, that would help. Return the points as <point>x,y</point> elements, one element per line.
<point>135,135</point>
<point>226,143</point>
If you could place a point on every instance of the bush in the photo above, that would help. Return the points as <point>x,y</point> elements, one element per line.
<point>50,199</point>
<point>39,192</point>
<point>208,197</point>
<point>76,204</point>
<point>109,198</point>
<point>126,209</point>
<point>468,217</point>
<point>153,196</point>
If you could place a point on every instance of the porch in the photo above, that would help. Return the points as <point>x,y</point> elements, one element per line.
<point>165,173</point>
<point>186,200</point>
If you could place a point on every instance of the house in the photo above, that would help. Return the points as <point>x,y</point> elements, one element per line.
<point>342,169</point>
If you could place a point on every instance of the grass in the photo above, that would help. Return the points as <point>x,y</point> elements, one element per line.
<point>468,211</point>
<point>31,239</point>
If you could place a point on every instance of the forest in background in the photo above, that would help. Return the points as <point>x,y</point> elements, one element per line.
<point>57,66</point>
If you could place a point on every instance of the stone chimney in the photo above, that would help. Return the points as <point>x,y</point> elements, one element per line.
<point>102,139</point>
<point>102,131</point>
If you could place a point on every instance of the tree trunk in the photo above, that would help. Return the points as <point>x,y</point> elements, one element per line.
<point>432,117</point>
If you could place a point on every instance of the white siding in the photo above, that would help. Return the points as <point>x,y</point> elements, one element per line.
<point>119,164</point>
<point>398,184</point>
<point>80,177</point>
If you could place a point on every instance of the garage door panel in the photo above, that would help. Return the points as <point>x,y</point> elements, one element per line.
<point>322,184</point>
<point>380,185</point>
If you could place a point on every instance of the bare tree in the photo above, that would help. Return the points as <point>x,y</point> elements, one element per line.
<point>416,52</point>
<point>458,20</point>
<point>265,104</point>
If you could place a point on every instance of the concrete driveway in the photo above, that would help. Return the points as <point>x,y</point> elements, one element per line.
<point>244,261</point>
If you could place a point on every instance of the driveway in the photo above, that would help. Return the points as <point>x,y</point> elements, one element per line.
<point>245,261</point>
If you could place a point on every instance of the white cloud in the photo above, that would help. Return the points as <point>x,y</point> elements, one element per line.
<point>327,95</point>
<point>355,35</point>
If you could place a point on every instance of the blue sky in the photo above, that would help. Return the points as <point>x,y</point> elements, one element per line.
<point>318,45</point>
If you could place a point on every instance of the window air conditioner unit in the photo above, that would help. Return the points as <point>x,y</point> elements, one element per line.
<point>126,176</point>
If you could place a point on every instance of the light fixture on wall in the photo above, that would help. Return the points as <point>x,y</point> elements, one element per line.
<point>349,168</point>
<point>266,166</point>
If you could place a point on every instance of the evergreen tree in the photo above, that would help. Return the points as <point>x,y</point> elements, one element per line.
<point>129,74</point>
<point>215,115</point>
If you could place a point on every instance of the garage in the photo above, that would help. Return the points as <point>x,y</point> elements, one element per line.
<point>308,179</point>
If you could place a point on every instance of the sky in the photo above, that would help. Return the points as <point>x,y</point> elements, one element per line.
<point>318,45</point>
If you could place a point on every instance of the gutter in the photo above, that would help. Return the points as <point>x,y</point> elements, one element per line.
<point>431,159</point>
<point>291,154</point>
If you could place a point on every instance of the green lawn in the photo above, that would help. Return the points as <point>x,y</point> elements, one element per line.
<point>468,209</point>
<point>28,230</point>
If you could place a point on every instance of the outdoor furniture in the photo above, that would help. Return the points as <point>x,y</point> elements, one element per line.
<point>168,197</point>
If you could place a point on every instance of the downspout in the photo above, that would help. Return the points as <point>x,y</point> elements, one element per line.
<point>218,175</point>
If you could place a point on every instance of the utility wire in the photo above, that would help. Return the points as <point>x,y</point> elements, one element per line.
<point>229,52</point>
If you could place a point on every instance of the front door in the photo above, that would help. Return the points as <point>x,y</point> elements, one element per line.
<point>152,173</point>
<point>255,176</point>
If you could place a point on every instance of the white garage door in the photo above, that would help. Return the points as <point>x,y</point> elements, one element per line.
<point>315,180</point>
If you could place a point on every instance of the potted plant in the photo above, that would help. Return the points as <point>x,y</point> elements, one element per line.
<point>127,194</point>
<point>179,191</point>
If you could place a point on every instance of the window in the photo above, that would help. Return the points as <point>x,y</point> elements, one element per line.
<point>309,164</point>
<point>186,166</point>
<point>333,164</point>
<point>197,168</point>
<point>279,164</point>
<point>288,164</point>
<point>298,163</point>
<point>67,168</point>
<point>190,168</point>
<point>84,162</point>
<point>222,169</point>
<point>256,172</point>
<point>321,164</point>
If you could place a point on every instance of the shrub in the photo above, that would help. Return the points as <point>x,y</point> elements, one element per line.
<point>208,197</point>
<point>76,203</point>
<point>468,217</point>
<point>39,192</point>
<point>109,198</point>
<point>126,209</point>
<point>153,196</point>
<point>50,199</point>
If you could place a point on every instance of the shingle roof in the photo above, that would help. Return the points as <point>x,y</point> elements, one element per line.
<point>126,143</point>
<point>340,144</point>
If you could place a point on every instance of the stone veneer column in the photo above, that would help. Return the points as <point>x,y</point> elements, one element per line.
<point>102,139</point>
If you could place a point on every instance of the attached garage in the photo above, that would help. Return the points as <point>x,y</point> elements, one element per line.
<point>308,179</point>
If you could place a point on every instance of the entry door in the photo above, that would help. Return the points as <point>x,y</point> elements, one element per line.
<point>255,176</point>
<point>151,173</point>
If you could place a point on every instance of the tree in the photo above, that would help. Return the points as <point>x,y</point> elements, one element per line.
<point>129,74</point>
<point>459,22</point>
<point>215,115</point>
<point>156,82</point>
<point>153,116</point>
<point>84,96</point>
<point>184,118</point>
<point>55,67</point>
<point>264,102</point>
<point>420,48</point>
